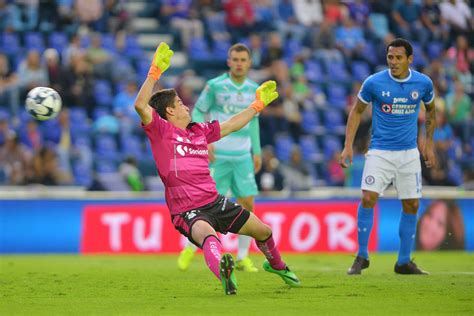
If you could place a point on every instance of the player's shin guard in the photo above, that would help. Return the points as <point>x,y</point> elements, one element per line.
<point>406,231</point>
<point>212,249</point>
<point>365,220</point>
<point>271,252</point>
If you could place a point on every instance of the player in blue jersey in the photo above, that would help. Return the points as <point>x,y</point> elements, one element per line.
<point>393,156</point>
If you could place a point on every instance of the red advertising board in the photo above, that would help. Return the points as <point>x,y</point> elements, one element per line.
<point>297,227</point>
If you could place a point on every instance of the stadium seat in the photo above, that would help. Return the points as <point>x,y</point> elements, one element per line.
<point>419,58</point>
<point>472,148</point>
<point>123,69</point>
<point>25,117</point>
<point>338,72</point>
<point>120,86</point>
<point>82,174</point>
<point>34,41</point>
<point>103,93</point>
<point>331,145</point>
<point>216,23</point>
<point>4,114</point>
<point>435,49</point>
<point>80,129</point>
<point>17,59</point>
<point>246,42</point>
<point>334,121</point>
<point>455,174</point>
<point>132,146</point>
<point>132,48</point>
<point>51,130</point>
<point>142,67</point>
<point>81,141</point>
<point>316,89</point>
<point>106,147</point>
<point>80,124</point>
<point>311,123</point>
<point>314,71</point>
<point>337,96</point>
<point>58,41</point>
<point>108,42</point>
<point>10,44</point>
<point>310,149</point>
<point>198,49</point>
<point>220,49</point>
<point>292,47</point>
<point>77,114</point>
<point>360,70</point>
<point>283,147</point>
<point>370,54</point>
<point>101,111</point>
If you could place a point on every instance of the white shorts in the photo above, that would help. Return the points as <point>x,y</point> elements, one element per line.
<point>401,168</point>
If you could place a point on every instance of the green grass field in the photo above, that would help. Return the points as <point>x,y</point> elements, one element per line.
<point>142,285</point>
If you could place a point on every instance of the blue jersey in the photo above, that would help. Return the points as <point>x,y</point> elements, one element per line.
<point>395,108</point>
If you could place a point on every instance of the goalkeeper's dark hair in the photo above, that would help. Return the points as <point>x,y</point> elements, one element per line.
<point>162,100</point>
<point>239,47</point>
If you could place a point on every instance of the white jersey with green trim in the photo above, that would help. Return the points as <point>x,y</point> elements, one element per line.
<point>221,99</point>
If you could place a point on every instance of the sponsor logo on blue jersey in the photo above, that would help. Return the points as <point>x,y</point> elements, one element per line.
<point>395,108</point>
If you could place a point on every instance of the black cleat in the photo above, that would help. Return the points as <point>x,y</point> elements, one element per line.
<point>408,268</point>
<point>359,264</point>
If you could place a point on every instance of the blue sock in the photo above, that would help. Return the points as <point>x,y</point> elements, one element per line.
<point>406,232</point>
<point>365,220</point>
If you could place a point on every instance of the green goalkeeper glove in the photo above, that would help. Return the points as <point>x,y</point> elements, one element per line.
<point>265,94</point>
<point>161,61</point>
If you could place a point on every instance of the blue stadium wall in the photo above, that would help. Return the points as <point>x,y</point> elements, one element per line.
<point>57,225</point>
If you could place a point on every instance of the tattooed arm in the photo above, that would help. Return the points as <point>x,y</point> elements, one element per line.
<point>430,124</point>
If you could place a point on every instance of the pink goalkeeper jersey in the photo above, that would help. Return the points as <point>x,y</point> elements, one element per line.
<point>182,161</point>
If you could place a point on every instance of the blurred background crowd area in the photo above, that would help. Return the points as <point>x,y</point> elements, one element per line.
<point>96,53</point>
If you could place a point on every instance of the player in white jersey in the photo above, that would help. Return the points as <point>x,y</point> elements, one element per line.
<point>235,160</point>
<point>393,156</point>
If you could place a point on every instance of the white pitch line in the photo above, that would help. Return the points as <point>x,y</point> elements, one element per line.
<point>328,269</point>
<point>458,272</point>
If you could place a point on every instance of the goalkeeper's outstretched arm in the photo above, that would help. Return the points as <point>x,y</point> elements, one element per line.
<point>265,94</point>
<point>161,62</point>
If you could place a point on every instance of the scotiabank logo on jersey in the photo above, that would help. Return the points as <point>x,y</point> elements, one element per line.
<point>297,227</point>
<point>183,150</point>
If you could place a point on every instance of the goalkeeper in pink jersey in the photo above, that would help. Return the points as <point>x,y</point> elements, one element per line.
<point>179,149</point>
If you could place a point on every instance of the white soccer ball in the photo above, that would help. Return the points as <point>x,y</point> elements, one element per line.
<point>43,103</point>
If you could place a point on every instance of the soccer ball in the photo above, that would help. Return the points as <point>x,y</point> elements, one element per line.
<point>43,103</point>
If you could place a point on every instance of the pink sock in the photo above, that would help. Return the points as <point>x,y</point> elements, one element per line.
<point>271,252</point>
<point>212,253</point>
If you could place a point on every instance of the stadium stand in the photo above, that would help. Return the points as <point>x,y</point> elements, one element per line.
<point>102,49</point>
